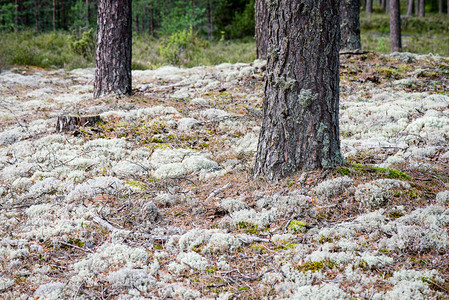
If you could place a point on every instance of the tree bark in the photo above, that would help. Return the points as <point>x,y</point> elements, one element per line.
<point>262,18</point>
<point>37,7</point>
<point>71,122</point>
<point>410,7</point>
<point>87,14</point>
<point>387,6</point>
<point>369,6</point>
<point>395,26</point>
<point>448,8</point>
<point>421,8</point>
<point>350,24</point>
<point>440,6</point>
<point>113,56</point>
<point>210,24</point>
<point>300,129</point>
<point>54,15</point>
<point>16,15</point>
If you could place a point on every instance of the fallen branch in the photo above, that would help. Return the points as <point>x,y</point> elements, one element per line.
<point>217,191</point>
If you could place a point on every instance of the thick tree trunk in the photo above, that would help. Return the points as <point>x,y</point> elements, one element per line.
<point>395,26</point>
<point>300,128</point>
<point>350,24</point>
<point>71,122</point>
<point>369,6</point>
<point>262,18</point>
<point>113,58</point>
<point>410,7</point>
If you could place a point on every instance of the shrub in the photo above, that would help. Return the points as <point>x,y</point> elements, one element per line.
<point>84,46</point>
<point>174,49</point>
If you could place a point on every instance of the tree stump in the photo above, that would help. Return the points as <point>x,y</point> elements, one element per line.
<point>70,122</point>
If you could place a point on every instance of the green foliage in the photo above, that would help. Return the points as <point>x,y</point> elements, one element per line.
<point>177,47</point>
<point>316,266</point>
<point>385,172</point>
<point>84,46</point>
<point>47,50</point>
<point>7,16</point>
<point>244,22</point>
<point>180,16</point>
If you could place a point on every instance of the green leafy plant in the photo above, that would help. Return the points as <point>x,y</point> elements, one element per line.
<point>84,46</point>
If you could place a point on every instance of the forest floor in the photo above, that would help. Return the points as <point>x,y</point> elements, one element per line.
<point>158,200</point>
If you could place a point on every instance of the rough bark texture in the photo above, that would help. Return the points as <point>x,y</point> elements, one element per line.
<point>262,16</point>
<point>410,7</point>
<point>395,26</point>
<point>300,128</point>
<point>113,59</point>
<point>69,123</point>
<point>369,6</point>
<point>421,8</point>
<point>350,24</point>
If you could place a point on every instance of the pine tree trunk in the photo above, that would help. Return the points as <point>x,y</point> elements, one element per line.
<point>113,58</point>
<point>350,24</point>
<point>395,26</point>
<point>210,24</point>
<point>37,8</point>
<point>440,6</point>
<point>410,7</point>
<point>300,128</point>
<point>54,15</point>
<point>16,15</point>
<point>421,8</point>
<point>387,6</point>
<point>369,6</point>
<point>63,21</point>
<point>87,14</point>
<point>262,18</point>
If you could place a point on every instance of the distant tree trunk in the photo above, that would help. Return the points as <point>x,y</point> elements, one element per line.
<point>421,8</point>
<point>387,6</point>
<point>350,24</point>
<point>63,21</point>
<point>410,7</point>
<point>113,58</point>
<point>440,6</point>
<point>54,15</point>
<point>300,129</point>
<point>262,18</point>
<point>87,13</point>
<point>152,20</point>
<point>384,5</point>
<point>16,15</point>
<point>448,8</point>
<point>369,6</point>
<point>395,26</point>
<point>210,24</point>
<point>37,7</point>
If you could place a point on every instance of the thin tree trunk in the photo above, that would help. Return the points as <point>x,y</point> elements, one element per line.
<point>87,13</point>
<point>395,26</point>
<point>152,20</point>
<point>114,51</point>
<point>210,25</point>
<point>37,15</point>
<point>350,24</point>
<point>440,6</point>
<point>54,15</point>
<point>369,6</point>
<point>63,21</point>
<point>448,8</point>
<point>16,15</point>
<point>410,7</point>
<point>384,5</point>
<point>387,6</point>
<point>262,18</point>
<point>300,129</point>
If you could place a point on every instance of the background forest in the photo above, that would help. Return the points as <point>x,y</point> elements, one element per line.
<point>183,33</point>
